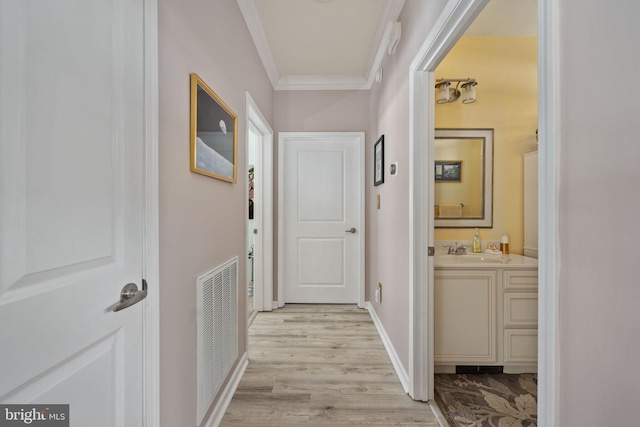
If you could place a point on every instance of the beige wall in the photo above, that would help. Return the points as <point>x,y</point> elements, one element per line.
<point>507,93</point>
<point>388,228</point>
<point>315,111</point>
<point>201,219</point>
<point>321,111</point>
<point>599,214</point>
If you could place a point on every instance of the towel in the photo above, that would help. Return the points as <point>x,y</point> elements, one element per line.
<point>450,210</point>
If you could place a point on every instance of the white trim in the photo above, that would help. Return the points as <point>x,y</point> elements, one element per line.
<point>438,414</point>
<point>382,50</point>
<point>275,305</point>
<point>151,243</point>
<point>251,15</point>
<point>453,21</point>
<point>548,212</point>
<point>388,345</point>
<point>282,137</point>
<point>321,83</point>
<point>280,301</point>
<point>225,397</point>
<point>264,200</point>
<point>254,24</point>
<point>390,14</point>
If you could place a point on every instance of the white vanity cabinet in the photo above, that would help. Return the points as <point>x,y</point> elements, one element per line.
<point>466,316</point>
<point>520,317</point>
<point>486,316</point>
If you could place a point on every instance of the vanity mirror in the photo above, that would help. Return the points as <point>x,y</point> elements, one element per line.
<point>214,133</point>
<point>463,178</point>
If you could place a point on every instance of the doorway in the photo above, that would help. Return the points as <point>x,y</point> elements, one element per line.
<point>259,214</point>
<point>499,52</point>
<point>455,18</point>
<point>321,218</point>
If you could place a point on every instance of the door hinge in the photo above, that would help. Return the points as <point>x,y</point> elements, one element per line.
<point>432,251</point>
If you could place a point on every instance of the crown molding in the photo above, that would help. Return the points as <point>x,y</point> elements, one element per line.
<point>322,83</point>
<point>254,24</point>
<point>390,14</point>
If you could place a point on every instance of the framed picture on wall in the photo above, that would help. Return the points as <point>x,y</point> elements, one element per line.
<point>378,162</point>
<point>214,133</point>
<point>448,170</point>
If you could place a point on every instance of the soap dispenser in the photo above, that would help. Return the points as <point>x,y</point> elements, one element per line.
<point>476,247</point>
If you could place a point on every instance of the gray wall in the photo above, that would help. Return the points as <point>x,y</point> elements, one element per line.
<point>387,255</point>
<point>599,227</point>
<point>201,219</point>
<point>314,111</point>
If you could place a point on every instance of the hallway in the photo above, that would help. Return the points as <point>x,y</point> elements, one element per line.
<point>320,365</point>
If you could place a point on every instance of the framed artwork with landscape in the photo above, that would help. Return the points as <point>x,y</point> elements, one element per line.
<point>448,170</point>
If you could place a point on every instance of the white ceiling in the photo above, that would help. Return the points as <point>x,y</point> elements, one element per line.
<point>340,44</point>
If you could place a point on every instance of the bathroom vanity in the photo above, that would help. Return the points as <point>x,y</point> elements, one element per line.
<point>486,312</point>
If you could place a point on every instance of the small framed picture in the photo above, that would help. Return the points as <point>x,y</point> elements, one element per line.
<point>449,170</point>
<point>378,162</point>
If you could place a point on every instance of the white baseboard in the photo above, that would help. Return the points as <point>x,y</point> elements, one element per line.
<point>227,394</point>
<point>438,414</point>
<point>395,360</point>
<point>275,305</point>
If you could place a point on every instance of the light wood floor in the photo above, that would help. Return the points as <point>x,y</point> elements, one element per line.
<point>320,365</point>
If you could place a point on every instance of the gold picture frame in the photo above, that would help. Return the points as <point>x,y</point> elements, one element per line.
<point>214,134</point>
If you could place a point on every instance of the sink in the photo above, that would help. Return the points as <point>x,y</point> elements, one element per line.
<point>472,259</point>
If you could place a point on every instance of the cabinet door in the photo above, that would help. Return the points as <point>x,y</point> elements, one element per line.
<point>520,346</point>
<point>520,309</point>
<point>465,317</point>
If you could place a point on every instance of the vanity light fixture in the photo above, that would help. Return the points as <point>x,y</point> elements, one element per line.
<point>446,94</point>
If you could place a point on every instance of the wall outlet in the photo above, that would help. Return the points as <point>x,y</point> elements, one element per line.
<point>377,296</point>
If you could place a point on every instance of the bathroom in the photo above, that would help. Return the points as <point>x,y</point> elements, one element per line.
<point>487,143</point>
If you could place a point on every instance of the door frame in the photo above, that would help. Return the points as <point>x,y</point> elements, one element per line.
<point>282,138</point>
<point>455,18</point>
<point>263,262</point>
<point>151,214</point>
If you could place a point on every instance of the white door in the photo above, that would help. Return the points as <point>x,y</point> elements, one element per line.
<point>322,217</point>
<point>71,192</point>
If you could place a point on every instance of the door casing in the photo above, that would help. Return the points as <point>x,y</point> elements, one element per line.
<point>263,255</point>
<point>282,138</point>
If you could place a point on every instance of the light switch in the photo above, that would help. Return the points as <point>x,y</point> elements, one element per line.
<point>378,202</point>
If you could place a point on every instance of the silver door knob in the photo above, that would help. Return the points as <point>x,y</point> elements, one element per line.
<point>352,230</point>
<point>131,295</point>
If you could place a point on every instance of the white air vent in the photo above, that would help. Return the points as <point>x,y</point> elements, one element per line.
<point>217,330</point>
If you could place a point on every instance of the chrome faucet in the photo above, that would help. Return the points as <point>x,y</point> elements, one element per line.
<point>461,250</point>
<point>454,249</point>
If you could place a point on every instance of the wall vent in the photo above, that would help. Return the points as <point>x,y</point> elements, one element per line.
<point>217,330</point>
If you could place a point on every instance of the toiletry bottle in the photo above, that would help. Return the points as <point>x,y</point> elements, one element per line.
<point>504,244</point>
<point>476,247</point>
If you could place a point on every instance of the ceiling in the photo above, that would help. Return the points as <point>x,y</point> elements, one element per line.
<point>340,44</point>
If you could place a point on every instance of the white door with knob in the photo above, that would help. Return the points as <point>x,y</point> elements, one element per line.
<point>321,223</point>
<point>73,128</point>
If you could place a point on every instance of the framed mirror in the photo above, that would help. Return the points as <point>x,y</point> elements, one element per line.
<point>214,133</point>
<point>463,193</point>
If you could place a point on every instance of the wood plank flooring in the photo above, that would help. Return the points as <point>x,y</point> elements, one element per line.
<point>320,365</point>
